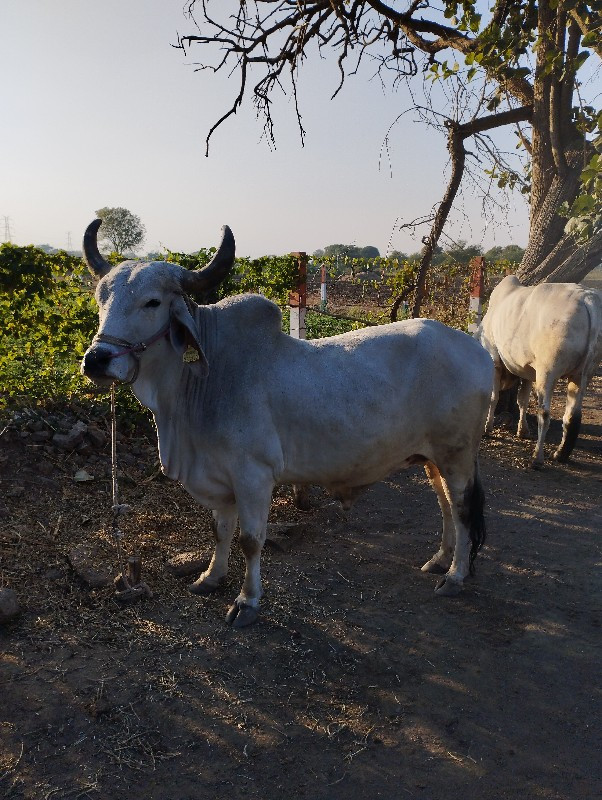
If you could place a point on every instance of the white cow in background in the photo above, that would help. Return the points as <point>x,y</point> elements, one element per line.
<point>541,334</point>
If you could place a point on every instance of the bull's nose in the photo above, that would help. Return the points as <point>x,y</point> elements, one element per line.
<point>96,362</point>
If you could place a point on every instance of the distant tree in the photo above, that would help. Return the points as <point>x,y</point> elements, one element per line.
<point>397,255</point>
<point>461,253</point>
<point>350,251</point>
<point>46,248</point>
<point>438,256</point>
<point>511,252</point>
<point>369,252</point>
<point>319,253</point>
<point>337,250</point>
<point>121,229</point>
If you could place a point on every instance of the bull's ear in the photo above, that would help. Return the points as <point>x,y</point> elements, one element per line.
<point>184,338</point>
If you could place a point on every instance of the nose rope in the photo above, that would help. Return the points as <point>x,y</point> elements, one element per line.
<point>130,348</point>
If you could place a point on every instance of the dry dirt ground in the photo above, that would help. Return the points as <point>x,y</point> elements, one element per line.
<point>357,681</point>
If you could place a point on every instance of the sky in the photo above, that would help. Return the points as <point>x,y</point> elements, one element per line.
<point>99,109</point>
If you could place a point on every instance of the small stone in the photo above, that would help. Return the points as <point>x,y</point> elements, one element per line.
<point>96,436</point>
<point>81,476</point>
<point>81,559</point>
<point>53,574</point>
<point>505,420</point>
<point>40,436</point>
<point>281,535</point>
<point>70,440</point>
<point>9,606</point>
<point>185,564</point>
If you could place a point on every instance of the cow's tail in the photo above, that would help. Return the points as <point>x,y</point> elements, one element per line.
<point>475,517</point>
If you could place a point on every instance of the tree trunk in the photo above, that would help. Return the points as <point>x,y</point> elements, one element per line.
<point>552,255</point>
<point>559,153</point>
<point>455,147</point>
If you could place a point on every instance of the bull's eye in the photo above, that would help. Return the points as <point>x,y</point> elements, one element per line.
<point>152,304</point>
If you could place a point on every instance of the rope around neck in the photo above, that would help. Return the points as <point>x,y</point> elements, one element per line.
<point>128,585</point>
<point>116,508</point>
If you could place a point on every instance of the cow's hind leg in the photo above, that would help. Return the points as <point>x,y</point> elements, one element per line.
<point>466,500</point>
<point>571,421</point>
<point>224,525</point>
<point>441,561</point>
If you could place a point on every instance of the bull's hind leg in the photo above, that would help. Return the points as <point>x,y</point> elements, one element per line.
<point>466,502</point>
<point>495,393</point>
<point>253,501</point>
<point>524,393</point>
<point>224,525</point>
<point>441,561</point>
<point>544,391</point>
<point>571,421</point>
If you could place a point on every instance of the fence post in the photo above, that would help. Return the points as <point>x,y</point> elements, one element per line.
<point>323,300</point>
<point>298,299</point>
<point>477,283</point>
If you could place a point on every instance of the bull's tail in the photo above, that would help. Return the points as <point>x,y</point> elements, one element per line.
<point>475,505</point>
<point>593,303</point>
<point>591,359</point>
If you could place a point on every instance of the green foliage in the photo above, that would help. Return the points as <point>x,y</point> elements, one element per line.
<point>585,213</point>
<point>273,276</point>
<point>31,269</point>
<point>49,317</point>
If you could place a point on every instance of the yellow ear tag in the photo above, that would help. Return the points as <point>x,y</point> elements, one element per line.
<point>190,355</point>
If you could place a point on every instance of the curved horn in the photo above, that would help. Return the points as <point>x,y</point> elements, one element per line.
<point>201,280</point>
<point>96,263</point>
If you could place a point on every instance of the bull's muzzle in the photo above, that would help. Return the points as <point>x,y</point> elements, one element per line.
<point>95,365</point>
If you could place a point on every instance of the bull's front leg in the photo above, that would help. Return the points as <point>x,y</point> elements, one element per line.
<point>224,525</point>
<point>253,508</point>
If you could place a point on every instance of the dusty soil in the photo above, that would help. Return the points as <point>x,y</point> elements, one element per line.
<point>357,681</point>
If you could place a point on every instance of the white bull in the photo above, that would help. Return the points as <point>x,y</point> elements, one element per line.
<point>541,334</point>
<point>255,408</point>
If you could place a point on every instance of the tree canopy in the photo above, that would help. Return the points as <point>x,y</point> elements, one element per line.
<point>349,251</point>
<point>121,229</point>
<point>518,64</point>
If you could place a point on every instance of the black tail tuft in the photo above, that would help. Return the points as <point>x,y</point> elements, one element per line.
<point>475,504</point>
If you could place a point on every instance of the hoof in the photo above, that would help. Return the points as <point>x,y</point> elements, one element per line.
<point>448,588</point>
<point>537,465</point>
<point>203,587</point>
<point>434,568</point>
<point>239,616</point>
<point>560,457</point>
